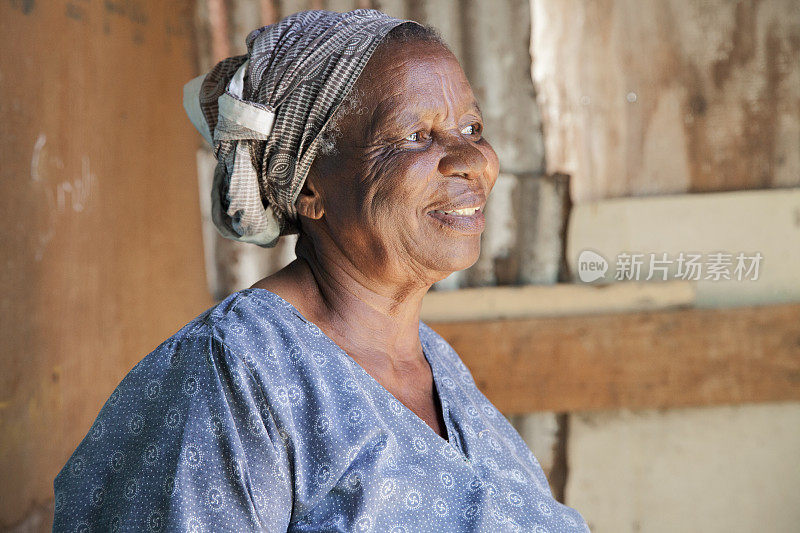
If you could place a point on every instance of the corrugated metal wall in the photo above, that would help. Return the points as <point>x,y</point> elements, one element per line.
<point>663,97</point>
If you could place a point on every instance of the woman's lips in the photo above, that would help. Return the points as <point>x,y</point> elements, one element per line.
<point>468,224</point>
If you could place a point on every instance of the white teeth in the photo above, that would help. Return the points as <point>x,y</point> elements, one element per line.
<point>466,212</point>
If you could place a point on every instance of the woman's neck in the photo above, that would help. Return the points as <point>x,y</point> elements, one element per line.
<point>377,323</point>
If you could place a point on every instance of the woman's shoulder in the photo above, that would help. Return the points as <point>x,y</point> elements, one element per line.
<point>195,366</point>
<point>258,308</point>
<point>188,415</point>
<point>220,341</point>
<point>244,321</point>
<point>239,314</point>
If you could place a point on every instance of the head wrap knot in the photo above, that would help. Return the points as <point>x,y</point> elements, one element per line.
<point>262,113</point>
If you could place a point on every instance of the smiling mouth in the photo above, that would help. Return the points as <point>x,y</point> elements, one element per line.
<point>469,221</point>
<point>460,212</point>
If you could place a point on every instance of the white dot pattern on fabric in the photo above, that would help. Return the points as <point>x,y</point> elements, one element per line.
<point>251,419</point>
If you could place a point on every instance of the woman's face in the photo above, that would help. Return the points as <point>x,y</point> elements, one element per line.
<point>415,147</point>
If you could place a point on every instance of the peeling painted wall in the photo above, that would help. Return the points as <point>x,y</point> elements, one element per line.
<point>102,257</point>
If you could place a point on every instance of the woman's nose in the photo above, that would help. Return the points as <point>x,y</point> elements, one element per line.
<point>462,158</point>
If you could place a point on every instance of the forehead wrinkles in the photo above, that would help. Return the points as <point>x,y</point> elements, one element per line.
<point>419,82</point>
<point>441,99</point>
<point>450,89</point>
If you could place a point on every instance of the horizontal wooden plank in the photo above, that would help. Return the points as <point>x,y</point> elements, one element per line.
<point>763,221</point>
<point>553,300</point>
<point>634,360</point>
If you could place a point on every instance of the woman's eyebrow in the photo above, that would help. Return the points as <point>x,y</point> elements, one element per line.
<point>389,112</point>
<point>390,109</point>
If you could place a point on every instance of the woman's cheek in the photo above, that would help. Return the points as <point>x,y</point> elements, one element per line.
<point>400,182</point>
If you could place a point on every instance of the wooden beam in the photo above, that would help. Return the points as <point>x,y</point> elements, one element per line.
<point>700,224</point>
<point>490,303</point>
<point>634,360</point>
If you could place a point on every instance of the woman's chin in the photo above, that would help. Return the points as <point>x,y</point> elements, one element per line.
<point>460,256</point>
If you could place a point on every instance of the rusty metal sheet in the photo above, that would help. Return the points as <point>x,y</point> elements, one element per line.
<point>663,97</point>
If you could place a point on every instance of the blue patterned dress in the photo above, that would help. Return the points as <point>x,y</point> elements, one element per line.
<point>251,419</point>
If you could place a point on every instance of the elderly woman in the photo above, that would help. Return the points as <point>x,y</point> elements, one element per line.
<point>317,400</point>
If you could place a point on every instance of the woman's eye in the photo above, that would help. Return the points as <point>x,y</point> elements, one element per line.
<point>413,137</point>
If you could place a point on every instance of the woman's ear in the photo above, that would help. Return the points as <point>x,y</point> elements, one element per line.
<point>309,202</point>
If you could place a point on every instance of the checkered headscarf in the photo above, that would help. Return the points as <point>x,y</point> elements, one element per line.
<point>263,111</point>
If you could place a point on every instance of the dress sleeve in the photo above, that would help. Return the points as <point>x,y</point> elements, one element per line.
<point>186,442</point>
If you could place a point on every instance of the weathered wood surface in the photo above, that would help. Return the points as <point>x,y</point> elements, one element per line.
<point>634,360</point>
<point>643,97</point>
<point>102,252</point>
<point>766,222</point>
<point>564,299</point>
